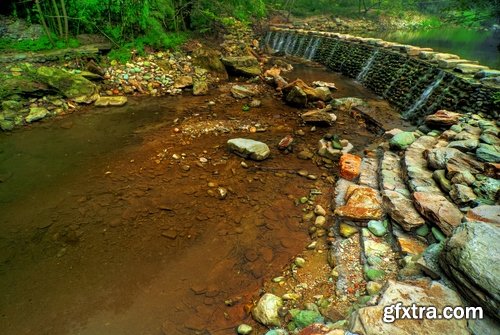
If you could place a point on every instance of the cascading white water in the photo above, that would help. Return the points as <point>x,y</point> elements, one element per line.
<point>276,39</point>
<point>280,43</point>
<point>288,42</point>
<point>291,47</point>
<point>368,65</point>
<point>313,48</point>
<point>268,37</point>
<point>301,43</point>
<point>425,95</point>
<point>309,45</point>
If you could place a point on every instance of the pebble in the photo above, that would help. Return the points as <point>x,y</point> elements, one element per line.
<point>244,165</point>
<point>203,160</point>
<point>221,193</point>
<point>302,173</point>
<point>319,210</point>
<point>278,279</point>
<point>176,156</point>
<point>186,168</point>
<point>291,296</point>
<point>300,262</point>
<point>312,245</point>
<point>244,329</point>
<point>312,177</point>
<point>308,216</point>
<point>320,221</point>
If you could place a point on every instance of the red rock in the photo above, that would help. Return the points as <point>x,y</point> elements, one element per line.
<point>362,203</point>
<point>411,246</point>
<point>285,142</point>
<point>350,166</point>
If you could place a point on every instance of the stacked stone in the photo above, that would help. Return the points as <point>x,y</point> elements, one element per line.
<point>451,166</point>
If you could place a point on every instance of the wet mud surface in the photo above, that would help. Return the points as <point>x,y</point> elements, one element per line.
<point>111,220</point>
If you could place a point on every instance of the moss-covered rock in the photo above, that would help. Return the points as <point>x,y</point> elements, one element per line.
<point>72,86</point>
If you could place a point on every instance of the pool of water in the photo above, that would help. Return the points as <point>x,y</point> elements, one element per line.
<point>482,46</point>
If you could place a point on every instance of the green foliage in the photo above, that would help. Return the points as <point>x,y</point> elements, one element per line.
<point>139,45</point>
<point>431,22</point>
<point>40,44</point>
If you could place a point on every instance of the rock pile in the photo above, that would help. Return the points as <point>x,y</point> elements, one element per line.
<point>425,204</point>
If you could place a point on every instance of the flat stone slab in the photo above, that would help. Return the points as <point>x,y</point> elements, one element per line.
<point>437,209</point>
<point>451,63</point>
<point>369,175</point>
<point>469,68</point>
<point>362,203</point>
<point>484,213</point>
<point>115,101</point>
<point>402,210</point>
<point>249,148</point>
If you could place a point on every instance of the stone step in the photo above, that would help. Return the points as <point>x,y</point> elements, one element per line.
<point>348,267</point>
<point>380,260</point>
<point>369,173</point>
<point>396,197</point>
<point>419,177</point>
<point>392,175</point>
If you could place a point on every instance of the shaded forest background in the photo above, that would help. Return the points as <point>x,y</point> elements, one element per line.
<point>166,23</point>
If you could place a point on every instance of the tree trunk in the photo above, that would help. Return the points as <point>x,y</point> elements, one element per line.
<point>58,18</point>
<point>42,20</point>
<point>66,25</point>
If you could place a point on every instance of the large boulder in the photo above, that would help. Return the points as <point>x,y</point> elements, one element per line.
<point>402,140</point>
<point>381,318</point>
<point>296,96</point>
<point>72,86</point>
<point>470,259</point>
<point>346,104</point>
<point>249,148</point>
<point>266,311</point>
<point>321,117</point>
<point>209,59</point>
<point>241,91</point>
<point>299,87</point>
<point>442,118</point>
<point>23,86</point>
<point>242,65</point>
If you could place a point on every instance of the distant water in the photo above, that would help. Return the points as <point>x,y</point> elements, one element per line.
<point>468,44</point>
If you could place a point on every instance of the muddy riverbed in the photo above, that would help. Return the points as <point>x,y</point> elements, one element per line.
<point>111,220</point>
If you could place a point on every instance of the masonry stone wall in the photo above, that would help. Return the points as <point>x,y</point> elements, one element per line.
<point>417,87</point>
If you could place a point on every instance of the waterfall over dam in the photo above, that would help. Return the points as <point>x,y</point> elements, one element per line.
<point>418,81</point>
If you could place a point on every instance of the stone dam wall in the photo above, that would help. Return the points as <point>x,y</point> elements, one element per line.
<point>418,81</point>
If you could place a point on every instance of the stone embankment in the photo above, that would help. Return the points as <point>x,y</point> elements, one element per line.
<point>418,81</point>
<point>417,221</point>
